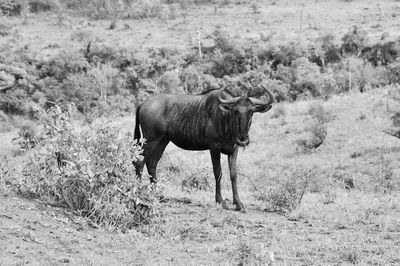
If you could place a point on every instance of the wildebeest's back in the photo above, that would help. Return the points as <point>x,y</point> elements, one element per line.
<point>182,118</point>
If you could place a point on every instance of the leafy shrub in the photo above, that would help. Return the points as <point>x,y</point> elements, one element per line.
<point>315,129</point>
<point>10,7</point>
<point>191,80</point>
<point>228,57</point>
<point>169,82</point>
<point>27,136</point>
<point>394,73</point>
<point>330,52</point>
<point>279,88</point>
<point>36,6</point>
<point>318,112</point>
<point>381,54</point>
<point>107,53</point>
<point>358,74</point>
<point>354,41</point>
<point>395,119</point>
<point>287,53</point>
<point>89,171</point>
<point>315,136</point>
<point>95,91</point>
<point>328,84</point>
<point>64,64</point>
<point>287,190</point>
<point>304,79</point>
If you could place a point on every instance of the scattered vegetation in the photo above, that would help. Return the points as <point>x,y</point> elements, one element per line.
<point>287,190</point>
<point>196,181</point>
<point>315,129</point>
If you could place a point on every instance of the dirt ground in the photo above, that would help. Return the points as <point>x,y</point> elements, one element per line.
<point>35,234</point>
<point>358,227</point>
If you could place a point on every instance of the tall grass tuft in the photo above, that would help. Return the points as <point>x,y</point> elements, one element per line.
<point>286,191</point>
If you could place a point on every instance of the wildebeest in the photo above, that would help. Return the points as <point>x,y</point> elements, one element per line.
<point>214,120</point>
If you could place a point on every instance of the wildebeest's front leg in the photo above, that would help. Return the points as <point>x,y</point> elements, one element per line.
<point>233,173</point>
<point>216,162</point>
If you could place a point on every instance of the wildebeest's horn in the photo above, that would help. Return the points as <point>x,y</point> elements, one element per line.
<point>229,101</point>
<point>271,98</point>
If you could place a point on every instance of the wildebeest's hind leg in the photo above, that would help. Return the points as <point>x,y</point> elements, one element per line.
<point>139,165</point>
<point>152,155</point>
<point>216,162</point>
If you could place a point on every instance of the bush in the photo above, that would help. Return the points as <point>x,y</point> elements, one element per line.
<point>27,136</point>
<point>228,57</point>
<point>304,79</point>
<point>315,136</point>
<point>315,130</point>
<point>96,91</point>
<point>318,112</point>
<point>354,41</point>
<point>394,73</point>
<point>64,64</point>
<point>169,82</point>
<point>330,51</point>
<point>382,54</point>
<point>357,74</point>
<point>10,7</point>
<point>286,54</point>
<point>279,89</point>
<point>287,191</point>
<point>89,171</point>
<point>191,80</point>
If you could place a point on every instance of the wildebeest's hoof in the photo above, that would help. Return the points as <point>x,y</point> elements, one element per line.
<point>240,207</point>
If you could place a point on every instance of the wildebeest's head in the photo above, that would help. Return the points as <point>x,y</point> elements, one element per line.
<point>240,110</point>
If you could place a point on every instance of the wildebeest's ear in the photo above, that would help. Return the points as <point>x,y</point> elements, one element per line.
<point>262,108</point>
<point>226,107</point>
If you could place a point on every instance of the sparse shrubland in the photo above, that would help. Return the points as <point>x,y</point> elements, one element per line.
<point>113,76</point>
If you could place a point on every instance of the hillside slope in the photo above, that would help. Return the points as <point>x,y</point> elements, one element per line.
<point>331,226</point>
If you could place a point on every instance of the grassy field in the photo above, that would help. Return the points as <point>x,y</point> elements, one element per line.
<point>350,213</point>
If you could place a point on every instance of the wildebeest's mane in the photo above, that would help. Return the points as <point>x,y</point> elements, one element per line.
<point>230,89</point>
<point>207,91</point>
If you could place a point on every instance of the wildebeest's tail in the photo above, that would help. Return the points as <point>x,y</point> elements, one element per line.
<point>137,128</point>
